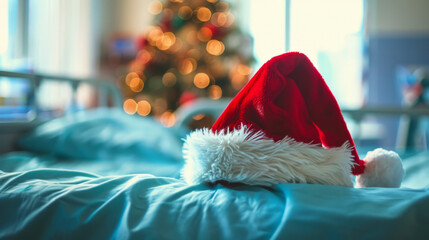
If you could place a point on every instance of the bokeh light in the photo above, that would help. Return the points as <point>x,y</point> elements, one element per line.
<point>229,21</point>
<point>187,66</point>
<point>204,14</point>
<point>144,56</point>
<point>154,34</point>
<point>130,76</point>
<point>198,117</point>
<point>136,84</point>
<point>222,7</point>
<point>201,80</point>
<point>185,12</point>
<point>215,92</point>
<point>168,13</point>
<point>168,119</point>
<point>215,47</point>
<point>130,106</point>
<point>155,7</point>
<point>166,41</point>
<point>211,1</point>
<point>204,34</point>
<point>143,108</point>
<point>169,79</point>
<point>219,19</point>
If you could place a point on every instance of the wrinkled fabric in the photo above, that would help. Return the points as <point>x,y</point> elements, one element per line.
<point>24,161</point>
<point>105,133</point>
<point>59,204</point>
<point>417,170</point>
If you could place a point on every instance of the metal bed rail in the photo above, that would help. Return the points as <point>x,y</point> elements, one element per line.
<point>107,93</point>
<point>388,111</point>
<point>410,116</point>
<point>215,108</point>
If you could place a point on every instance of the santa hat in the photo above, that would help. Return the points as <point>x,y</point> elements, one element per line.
<point>285,126</point>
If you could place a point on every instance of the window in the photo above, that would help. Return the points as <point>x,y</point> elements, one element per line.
<point>62,41</point>
<point>267,25</point>
<point>15,97</point>
<point>329,32</point>
<point>4,27</point>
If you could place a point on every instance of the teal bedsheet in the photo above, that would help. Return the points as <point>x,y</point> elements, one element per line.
<point>417,170</point>
<point>59,204</point>
<point>23,161</point>
<point>101,141</point>
<point>105,134</point>
<point>105,175</point>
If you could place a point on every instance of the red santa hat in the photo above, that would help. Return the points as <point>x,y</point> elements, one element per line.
<point>285,126</point>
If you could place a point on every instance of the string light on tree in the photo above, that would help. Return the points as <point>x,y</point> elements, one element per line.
<point>169,79</point>
<point>130,106</point>
<point>193,49</point>
<point>215,92</point>
<point>215,47</point>
<point>155,7</point>
<point>143,108</point>
<point>201,80</point>
<point>168,119</point>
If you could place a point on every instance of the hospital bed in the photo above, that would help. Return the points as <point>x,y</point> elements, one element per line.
<point>103,174</point>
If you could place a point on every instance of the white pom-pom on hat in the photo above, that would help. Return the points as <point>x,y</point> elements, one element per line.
<point>382,169</point>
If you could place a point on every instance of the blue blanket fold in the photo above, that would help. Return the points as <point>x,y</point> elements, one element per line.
<point>58,204</point>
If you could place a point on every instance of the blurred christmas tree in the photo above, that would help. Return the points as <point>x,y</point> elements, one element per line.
<point>193,50</point>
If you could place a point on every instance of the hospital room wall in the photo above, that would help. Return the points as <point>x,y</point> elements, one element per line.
<point>397,34</point>
<point>125,16</point>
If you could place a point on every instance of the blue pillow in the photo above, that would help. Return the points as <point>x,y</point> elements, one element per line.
<point>103,134</point>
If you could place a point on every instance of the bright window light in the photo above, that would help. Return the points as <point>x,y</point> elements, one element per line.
<point>325,25</point>
<point>5,87</point>
<point>330,33</point>
<point>267,25</point>
<point>4,26</point>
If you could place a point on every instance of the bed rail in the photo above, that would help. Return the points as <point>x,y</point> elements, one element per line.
<point>12,128</point>
<point>408,118</point>
<point>389,111</point>
<point>108,94</point>
<point>101,84</point>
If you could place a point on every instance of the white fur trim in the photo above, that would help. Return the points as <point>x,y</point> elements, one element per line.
<point>382,169</point>
<point>251,158</point>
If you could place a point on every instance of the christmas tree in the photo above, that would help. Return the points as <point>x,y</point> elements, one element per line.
<point>194,49</point>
